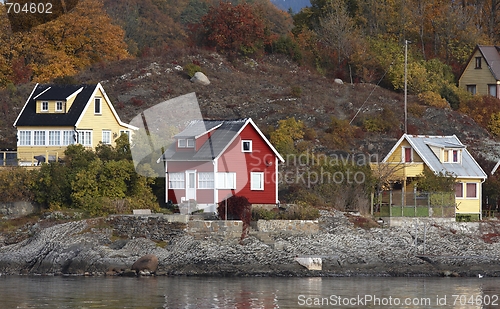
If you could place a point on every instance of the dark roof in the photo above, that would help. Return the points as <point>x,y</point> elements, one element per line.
<point>492,56</point>
<point>29,117</point>
<point>213,147</point>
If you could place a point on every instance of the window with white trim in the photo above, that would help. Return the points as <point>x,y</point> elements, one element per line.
<point>106,137</point>
<point>190,143</point>
<point>59,106</point>
<point>85,137</point>
<point>38,138</point>
<point>205,180</point>
<point>68,138</point>
<point>459,190</point>
<point>176,181</point>
<point>246,146</point>
<point>471,190</point>
<point>44,106</point>
<point>257,181</point>
<point>226,180</point>
<point>407,155</point>
<point>97,106</point>
<point>125,132</point>
<point>24,138</point>
<point>181,143</point>
<point>54,138</point>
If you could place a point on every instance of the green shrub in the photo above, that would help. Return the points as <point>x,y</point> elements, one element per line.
<point>191,69</point>
<point>433,99</point>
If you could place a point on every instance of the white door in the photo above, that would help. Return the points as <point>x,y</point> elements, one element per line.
<point>191,185</point>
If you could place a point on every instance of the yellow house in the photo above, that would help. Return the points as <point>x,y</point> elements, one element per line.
<point>55,116</point>
<point>445,154</point>
<point>482,73</point>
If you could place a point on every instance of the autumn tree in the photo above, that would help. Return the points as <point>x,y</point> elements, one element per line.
<point>288,132</point>
<point>235,29</point>
<point>61,47</point>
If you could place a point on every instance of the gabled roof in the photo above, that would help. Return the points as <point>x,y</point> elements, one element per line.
<point>467,168</point>
<point>224,133</point>
<point>491,55</point>
<point>83,98</point>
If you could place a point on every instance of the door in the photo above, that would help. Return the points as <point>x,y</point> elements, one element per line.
<point>191,185</point>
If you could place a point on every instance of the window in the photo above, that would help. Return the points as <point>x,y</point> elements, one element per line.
<point>45,106</point>
<point>97,106</point>
<point>478,62</point>
<point>492,90</point>
<point>246,146</point>
<point>407,154</point>
<point>205,180</point>
<point>24,138</point>
<point>176,181</point>
<point>471,189</point>
<point>226,180</point>
<point>106,137</point>
<point>181,143</point>
<point>54,138</point>
<point>39,138</point>
<point>257,181</point>
<point>459,189</point>
<point>471,89</point>
<point>59,106</point>
<point>454,156</point>
<point>190,143</point>
<point>68,138</point>
<point>125,132</point>
<point>85,138</point>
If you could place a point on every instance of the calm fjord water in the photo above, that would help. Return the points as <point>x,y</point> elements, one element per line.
<point>261,292</point>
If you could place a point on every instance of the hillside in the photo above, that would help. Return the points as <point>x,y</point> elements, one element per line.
<point>267,89</point>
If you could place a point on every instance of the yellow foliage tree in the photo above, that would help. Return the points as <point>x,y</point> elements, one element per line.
<point>284,137</point>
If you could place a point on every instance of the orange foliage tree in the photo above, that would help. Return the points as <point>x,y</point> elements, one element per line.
<point>235,29</point>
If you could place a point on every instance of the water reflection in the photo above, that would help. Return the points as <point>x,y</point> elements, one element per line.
<point>243,293</point>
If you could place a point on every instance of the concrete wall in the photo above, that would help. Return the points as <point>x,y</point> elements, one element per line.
<point>286,226</point>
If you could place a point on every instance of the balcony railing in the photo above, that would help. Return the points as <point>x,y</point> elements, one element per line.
<point>14,158</point>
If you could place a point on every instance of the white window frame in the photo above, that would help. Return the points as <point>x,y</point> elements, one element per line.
<point>181,143</point>
<point>106,137</point>
<point>125,132</point>
<point>85,137</point>
<point>24,138</point>
<point>462,185</point>
<point>206,180</point>
<point>59,106</point>
<point>226,180</point>
<point>68,138</point>
<point>39,138</point>
<point>467,191</point>
<point>403,154</point>
<point>450,156</point>
<point>246,141</point>
<point>176,180</point>
<point>98,106</point>
<point>257,186</point>
<point>190,143</point>
<point>44,106</point>
<point>54,138</point>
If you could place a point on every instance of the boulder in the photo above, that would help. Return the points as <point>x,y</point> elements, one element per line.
<point>200,78</point>
<point>149,263</point>
<point>338,81</point>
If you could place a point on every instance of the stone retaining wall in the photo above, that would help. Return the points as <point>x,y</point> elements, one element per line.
<point>286,226</point>
<point>16,209</point>
<point>225,229</point>
<point>156,228</point>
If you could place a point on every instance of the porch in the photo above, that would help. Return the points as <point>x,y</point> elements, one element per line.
<point>10,158</point>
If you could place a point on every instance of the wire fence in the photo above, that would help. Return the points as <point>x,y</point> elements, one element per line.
<point>414,204</point>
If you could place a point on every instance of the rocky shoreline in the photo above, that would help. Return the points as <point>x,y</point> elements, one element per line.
<point>96,247</point>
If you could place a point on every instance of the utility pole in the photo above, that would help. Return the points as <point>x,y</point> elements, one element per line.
<point>406,85</point>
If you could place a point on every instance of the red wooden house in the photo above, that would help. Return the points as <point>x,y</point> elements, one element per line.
<point>215,159</point>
